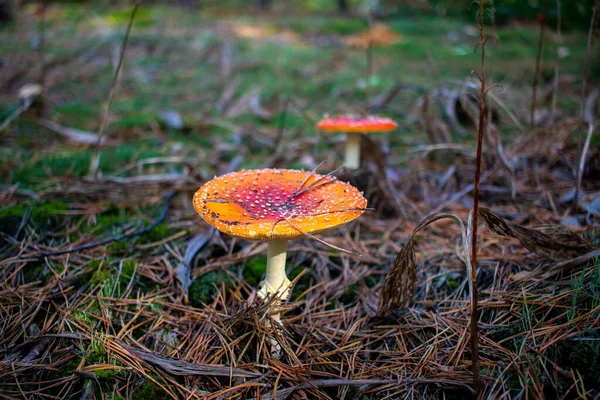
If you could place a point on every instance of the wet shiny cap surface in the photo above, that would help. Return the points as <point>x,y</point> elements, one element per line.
<point>266,204</point>
<point>357,123</point>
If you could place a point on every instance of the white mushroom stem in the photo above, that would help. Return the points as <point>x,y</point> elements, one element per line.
<point>276,282</point>
<point>352,150</point>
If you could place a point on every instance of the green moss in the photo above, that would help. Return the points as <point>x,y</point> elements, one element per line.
<point>254,270</point>
<point>83,317</point>
<point>68,367</point>
<point>77,114</point>
<point>33,272</point>
<point>43,216</point>
<point>143,17</point>
<point>303,283</point>
<point>452,284</point>
<point>582,356</point>
<point>110,373</point>
<point>203,290</point>
<point>149,390</point>
<point>95,353</point>
<point>158,233</point>
<point>100,276</point>
<point>37,167</point>
<point>349,295</point>
<point>127,271</point>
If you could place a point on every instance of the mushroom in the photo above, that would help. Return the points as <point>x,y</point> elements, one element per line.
<point>354,125</point>
<point>277,205</point>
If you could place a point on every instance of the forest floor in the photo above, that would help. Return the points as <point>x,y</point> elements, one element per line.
<point>113,286</point>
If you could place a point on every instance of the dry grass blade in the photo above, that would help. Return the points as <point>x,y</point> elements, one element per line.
<point>95,156</point>
<point>550,241</point>
<point>399,285</point>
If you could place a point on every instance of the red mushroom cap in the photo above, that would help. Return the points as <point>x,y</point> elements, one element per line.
<point>267,204</point>
<point>357,123</point>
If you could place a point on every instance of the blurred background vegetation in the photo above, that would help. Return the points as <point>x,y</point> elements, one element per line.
<point>574,13</point>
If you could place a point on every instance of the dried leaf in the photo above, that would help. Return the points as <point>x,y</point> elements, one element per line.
<point>398,288</point>
<point>554,242</point>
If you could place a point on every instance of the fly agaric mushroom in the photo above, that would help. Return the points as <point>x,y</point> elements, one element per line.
<point>277,205</point>
<point>354,125</point>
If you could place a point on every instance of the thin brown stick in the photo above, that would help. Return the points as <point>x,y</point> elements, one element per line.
<point>586,73</point>
<point>538,57</point>
<point>474,314</point>
<point>95,161</point>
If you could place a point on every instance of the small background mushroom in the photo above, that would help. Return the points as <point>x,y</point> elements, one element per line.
<point>354,126</point>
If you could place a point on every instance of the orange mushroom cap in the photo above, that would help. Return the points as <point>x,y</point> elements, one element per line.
<point>357,123</point>
<point>266,204</point>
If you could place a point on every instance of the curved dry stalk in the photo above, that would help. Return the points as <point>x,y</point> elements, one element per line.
<point>399,285</point>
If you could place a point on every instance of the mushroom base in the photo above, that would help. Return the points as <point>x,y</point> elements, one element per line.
<point>282,291</point>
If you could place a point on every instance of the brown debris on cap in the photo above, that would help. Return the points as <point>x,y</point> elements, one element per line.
<point>267,204</point>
